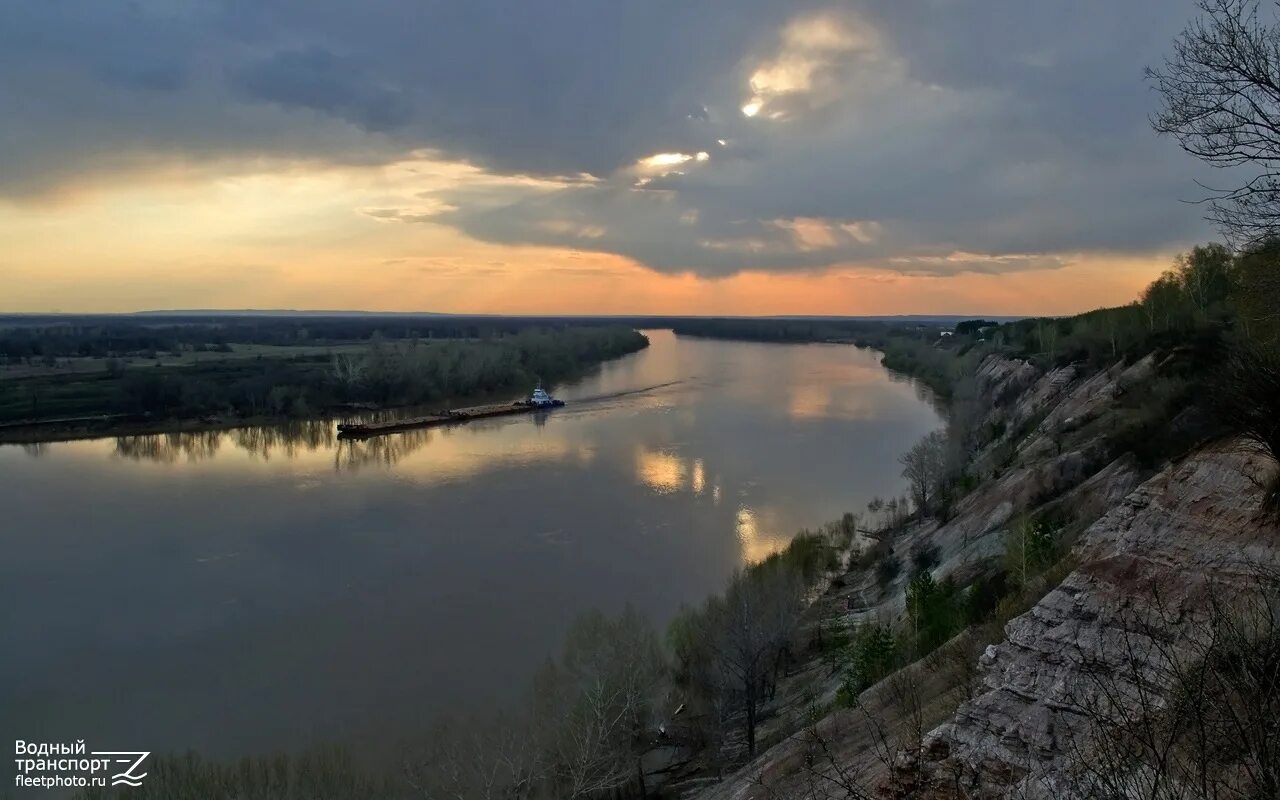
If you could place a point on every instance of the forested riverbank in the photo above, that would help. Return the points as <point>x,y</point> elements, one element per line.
<point>133,378</point>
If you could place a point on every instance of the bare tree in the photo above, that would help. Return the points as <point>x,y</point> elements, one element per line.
<point>1221,102</point>
<point>580,736</point>
<point>759,613</point>
<point>1206,275</point>
<point>475,759</point>
<point>592,707</point>
<point>730,652</point>
<point>1161,299</point>
<point>924,466</point>
<point>348,370</point>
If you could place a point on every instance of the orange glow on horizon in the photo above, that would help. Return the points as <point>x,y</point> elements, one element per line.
<point>536,281</point>
<point>296,237</point>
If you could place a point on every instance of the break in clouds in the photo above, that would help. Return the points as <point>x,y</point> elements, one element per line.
<point>927,137</point>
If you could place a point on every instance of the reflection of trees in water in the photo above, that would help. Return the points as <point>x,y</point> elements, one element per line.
<point>352,454</point>
<point>263,441</point>
<point>35,449</point>
<point>287,439</point>
<point>166,448</point>
<point>923,393</point>
<point>388,450</point>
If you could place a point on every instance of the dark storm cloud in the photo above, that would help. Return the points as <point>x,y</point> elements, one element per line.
<point>546,86</point>
<point>905,131</point>
<point>326,82</point>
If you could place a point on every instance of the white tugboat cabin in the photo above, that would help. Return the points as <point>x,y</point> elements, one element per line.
<point>540,398</point>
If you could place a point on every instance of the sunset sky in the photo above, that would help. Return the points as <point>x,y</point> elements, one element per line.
<point>587,156</point>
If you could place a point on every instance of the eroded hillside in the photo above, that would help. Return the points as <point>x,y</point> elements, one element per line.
<point>1007,708</point>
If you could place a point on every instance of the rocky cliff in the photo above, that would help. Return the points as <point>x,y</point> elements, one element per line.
<point>1145,539</point>
<point>1144,574</point>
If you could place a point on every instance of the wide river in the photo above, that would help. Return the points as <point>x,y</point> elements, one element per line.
<point>270,588</point>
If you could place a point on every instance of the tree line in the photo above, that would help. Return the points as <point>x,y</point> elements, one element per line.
<point>25,339</point>
<point>385,372</point>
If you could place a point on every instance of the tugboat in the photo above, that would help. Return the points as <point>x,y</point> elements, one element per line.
<point>540,399</point>
<point>537,401</point>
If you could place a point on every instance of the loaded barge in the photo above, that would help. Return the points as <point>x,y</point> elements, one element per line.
<point>537,401</point>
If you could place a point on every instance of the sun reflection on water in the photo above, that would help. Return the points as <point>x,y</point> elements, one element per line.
<point>662,472</point>
<point>753,535</point>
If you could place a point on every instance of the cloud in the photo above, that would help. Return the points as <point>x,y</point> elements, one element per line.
<point>711,137</point>
<point>981,263</point>
<point>820,57</point>
<point>419,213</point>
<point>911,141</point>
<point>811,233</point>
<point>323,81</point>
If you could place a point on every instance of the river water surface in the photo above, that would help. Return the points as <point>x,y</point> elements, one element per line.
<point>270,588</point>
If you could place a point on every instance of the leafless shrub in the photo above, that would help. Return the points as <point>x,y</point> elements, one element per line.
<point>1189,715</point>
<point>826,775</point>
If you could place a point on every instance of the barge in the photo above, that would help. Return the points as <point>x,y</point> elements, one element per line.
<point>537,401</point>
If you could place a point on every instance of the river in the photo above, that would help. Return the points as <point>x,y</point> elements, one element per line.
<point>269,588</point>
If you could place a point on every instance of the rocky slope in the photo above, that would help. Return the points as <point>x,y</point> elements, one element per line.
<point>999,722</point>
<point>1148,560</point>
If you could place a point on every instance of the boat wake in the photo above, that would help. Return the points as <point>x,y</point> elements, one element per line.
<point>600,398</point>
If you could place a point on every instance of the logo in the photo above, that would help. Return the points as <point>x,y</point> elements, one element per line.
<point>52,765</point>
<point>134,760</point>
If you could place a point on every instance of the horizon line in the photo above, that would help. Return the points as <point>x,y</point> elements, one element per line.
<point>532,315</point>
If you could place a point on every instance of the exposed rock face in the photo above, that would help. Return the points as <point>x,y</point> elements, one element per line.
<point>1194,522</point>
<point>1058,459</point>
<point>1000,379</point>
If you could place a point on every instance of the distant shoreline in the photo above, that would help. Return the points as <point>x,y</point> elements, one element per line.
<point>139,380</point>
<point>97,427</point>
